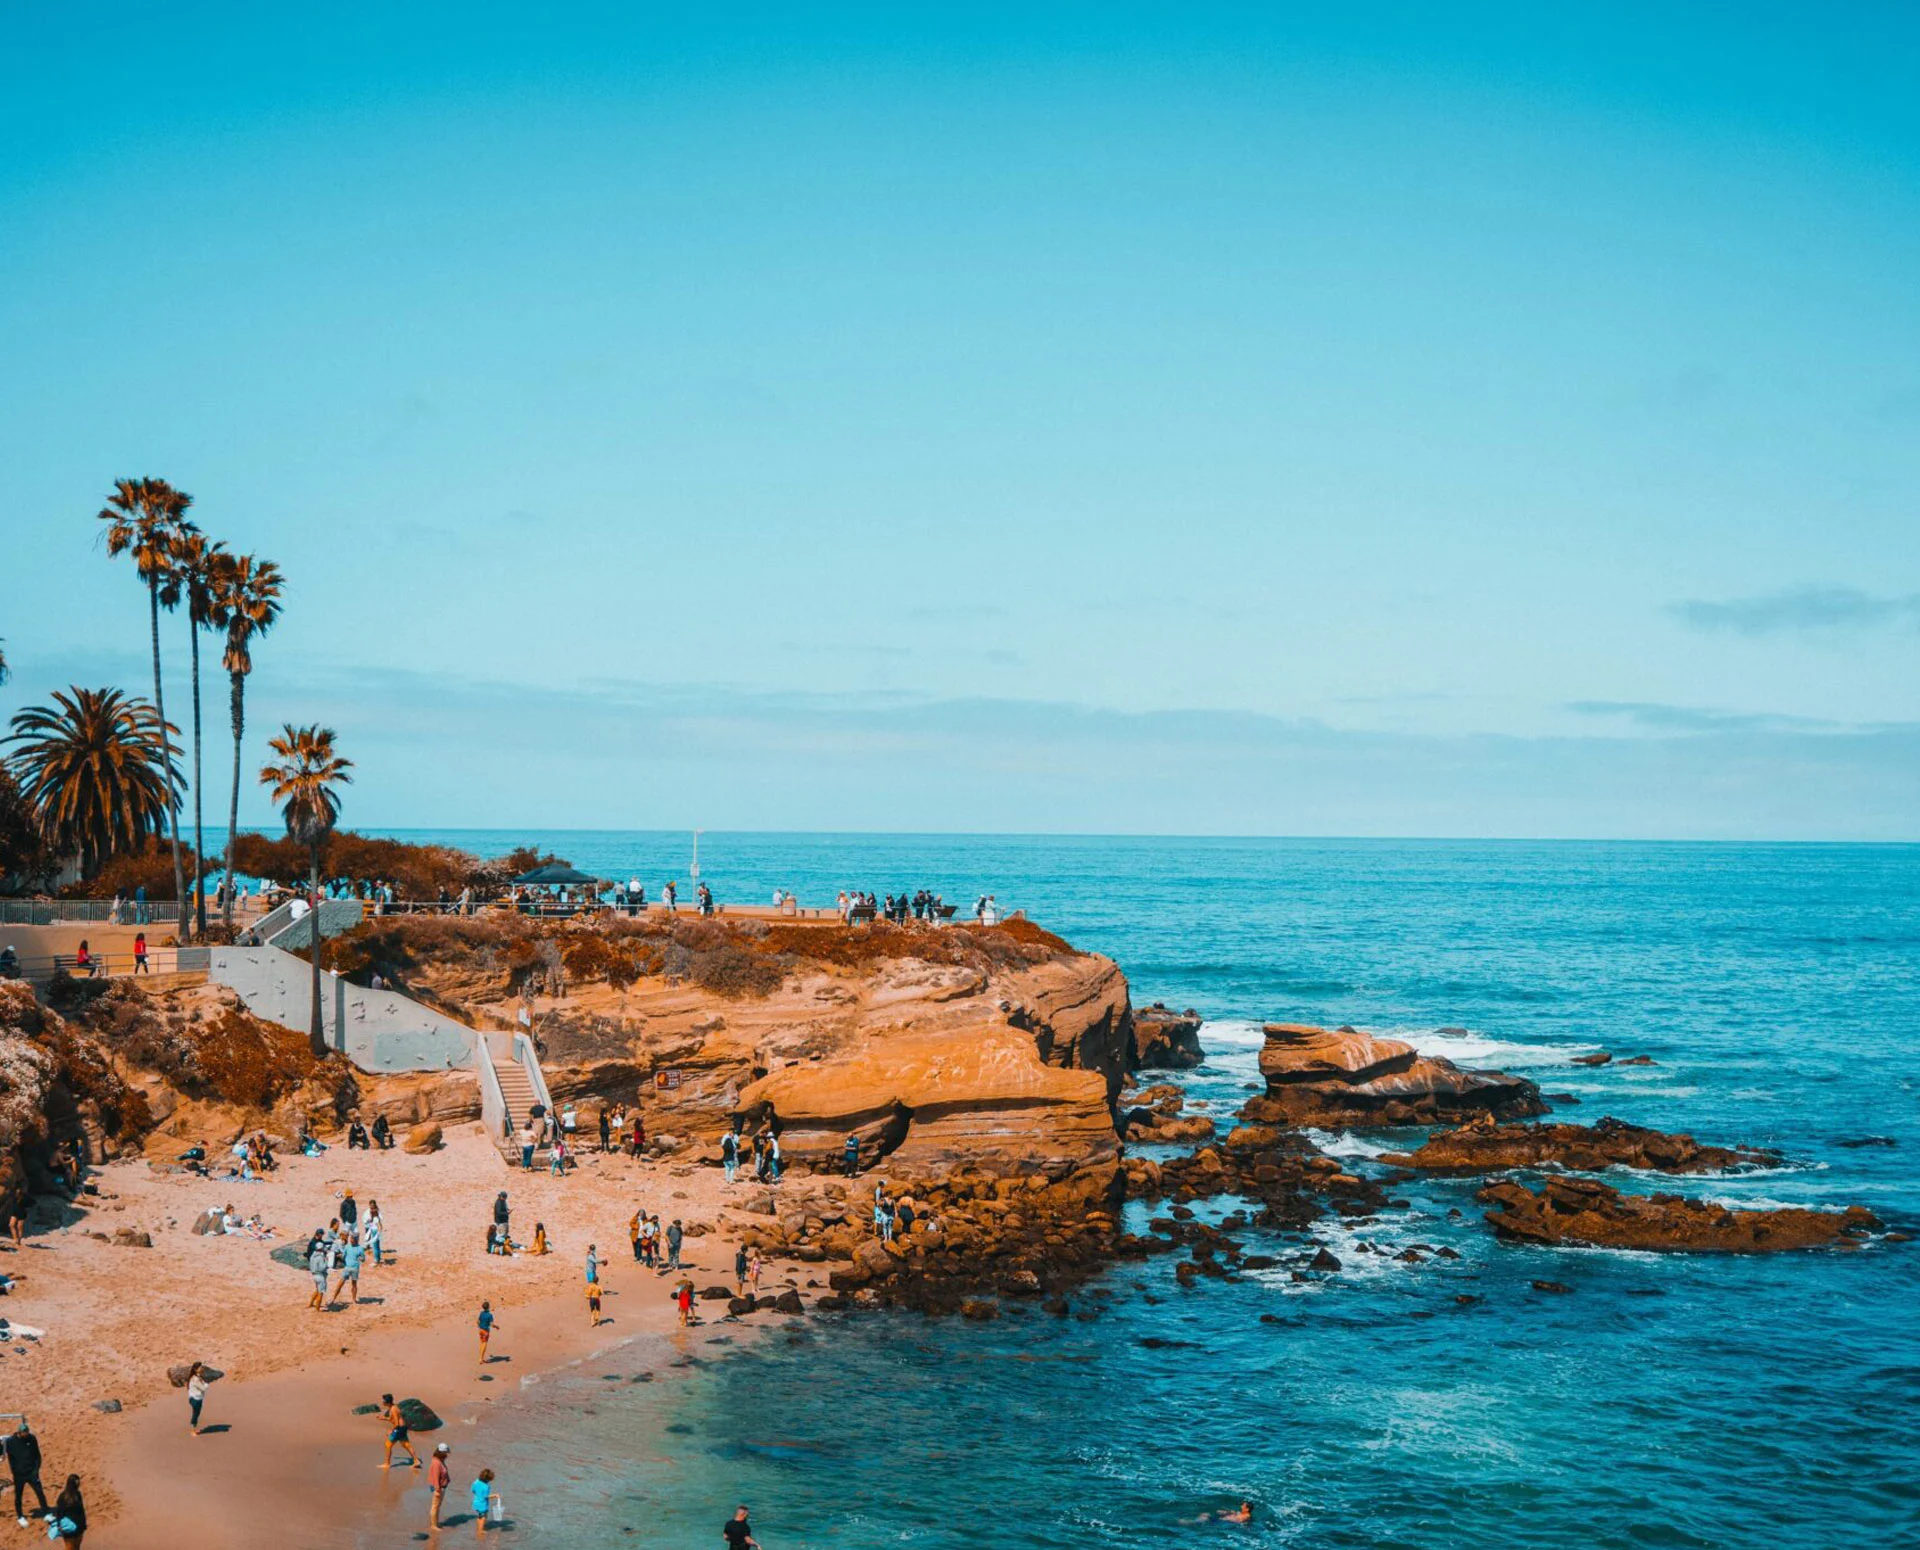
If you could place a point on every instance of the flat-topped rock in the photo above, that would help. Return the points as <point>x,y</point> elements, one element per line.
<point>1483,1147</point>
<point>1587,1212</point>
<point>1344,1078</point>
<point>1166,1040</point>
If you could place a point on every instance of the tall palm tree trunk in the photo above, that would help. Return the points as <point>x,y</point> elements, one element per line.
<point>233,807</point>
<point>160,717</point>
<point>199,839</point>
<point>317,1034</point>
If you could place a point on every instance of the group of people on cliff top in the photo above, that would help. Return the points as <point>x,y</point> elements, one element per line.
<point>924,905</point>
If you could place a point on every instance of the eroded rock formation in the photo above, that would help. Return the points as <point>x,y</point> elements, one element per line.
<point>1166,1040</point>
<point>1348,1079</point>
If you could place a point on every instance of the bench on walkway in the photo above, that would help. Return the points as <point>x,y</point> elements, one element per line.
<point>862,915</point>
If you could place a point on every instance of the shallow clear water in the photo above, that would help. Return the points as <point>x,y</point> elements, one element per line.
<point>1684,1401</point>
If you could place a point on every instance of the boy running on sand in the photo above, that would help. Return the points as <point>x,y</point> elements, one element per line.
<point>397,1433</point>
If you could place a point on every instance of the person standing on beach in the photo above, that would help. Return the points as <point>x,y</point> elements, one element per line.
<point>593,1285</point>
<point>730,1154</point>
<point>196,1396</point>
<point>635,1232</point>
<point>738,1532</point>
<point>482,1502</point>
<point>439,1477</point>
<point>486,1323</point>
<point>674,1238</point>
<point>22,1451</point>
<point>503,1218</point>
<point>740,1271</point>
<point>683,1298</point>
<point>317,1267</point>
<point>372,1238</point>
<point>350,1253</point>
<point>853,1155</point>
<point>70,1514</point>
<point>606,1131</point>
<point>397,1433</point>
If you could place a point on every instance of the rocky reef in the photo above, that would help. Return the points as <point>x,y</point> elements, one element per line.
<point>1588,1213</point>
<point>1342,1078</point>
<point>1484,1147</point>
<point>1165,1040</point>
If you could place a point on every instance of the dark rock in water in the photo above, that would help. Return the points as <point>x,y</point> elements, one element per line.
<point>1324,1260</point>
<point>680,1428</point>
<point>1271,1318</point>
<point>1165,1040</point>
<point>1639,1060</point>
<point>1468,1299</point>
<point>1563,1099</point>
<point>1600,1058</point>
<point>739,1305</point>
<point>1858,1141</point>
<point>789,1302</point>
<point>1585,1211</point>
<point>978,1309</point>
<point>107,1406</point>
<point>1411,1257</point>
<point>1258,1262</point>
<point>1898,1237</point>
<point>1612,1143</point>
<point>1162,1343</point>
<point>830,1302</point>
<point>1301,1275</point>
<point>1558,1288</point>
<point>1057,1306</point>
<point>1443,1252</point>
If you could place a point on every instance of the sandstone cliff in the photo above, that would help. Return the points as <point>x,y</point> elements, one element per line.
<point>998,1046</point>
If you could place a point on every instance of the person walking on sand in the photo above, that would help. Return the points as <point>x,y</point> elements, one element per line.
<point>683,1297</point>
<point>22,1450</point>
<point>593,1285</point>
<point>140,965</point>
<point>482,1502</point>
<point>730,1154</point>
<point>486,1323</point>
<point>636,1230</point>
<point>196,1395</point>
<point>373,1237</point>
<point>397,1433</point>
<point>738,1532</point>
<point>674,1239</point>
<point>439,1477</point>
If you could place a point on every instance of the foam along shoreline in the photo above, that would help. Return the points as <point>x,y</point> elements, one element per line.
<point>286,1460</point>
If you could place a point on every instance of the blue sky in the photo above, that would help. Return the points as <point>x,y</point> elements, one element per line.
<point>1348,419</point>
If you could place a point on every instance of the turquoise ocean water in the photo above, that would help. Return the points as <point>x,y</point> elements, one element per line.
<point>1668,1401</point>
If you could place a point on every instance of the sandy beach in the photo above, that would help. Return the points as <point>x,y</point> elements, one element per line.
<point>282,1452</point>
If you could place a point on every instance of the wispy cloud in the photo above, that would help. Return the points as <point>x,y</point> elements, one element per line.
<point>1655,717</point>
<point>1799,608</point>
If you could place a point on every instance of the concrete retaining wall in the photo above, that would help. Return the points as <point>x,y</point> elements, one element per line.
<point>378,1030</point>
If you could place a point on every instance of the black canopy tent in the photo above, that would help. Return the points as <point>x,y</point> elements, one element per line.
<point>559,875</point>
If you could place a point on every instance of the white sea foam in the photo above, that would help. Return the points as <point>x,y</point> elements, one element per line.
<point>1344,1143</point>
<point>1467,1048</point>
<point>1230,1033</point>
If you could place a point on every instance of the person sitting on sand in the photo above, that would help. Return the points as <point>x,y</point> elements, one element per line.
<point>540,1239</point>
<point>357,1138</point>
<point>382,1133</point>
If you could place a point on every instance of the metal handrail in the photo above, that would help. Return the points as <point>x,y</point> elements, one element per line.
<point>57,912</point>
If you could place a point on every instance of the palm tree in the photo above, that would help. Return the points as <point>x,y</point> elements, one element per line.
<point>145,518</point>
<point>197,563</point>
<point>95,771</point>
<point>246,601</point>
<point>304,782</point>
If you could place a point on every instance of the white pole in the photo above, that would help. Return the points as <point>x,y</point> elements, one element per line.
<point>696,854</point>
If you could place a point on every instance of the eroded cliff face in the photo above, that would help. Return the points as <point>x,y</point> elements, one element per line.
<point>994,1048</point>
